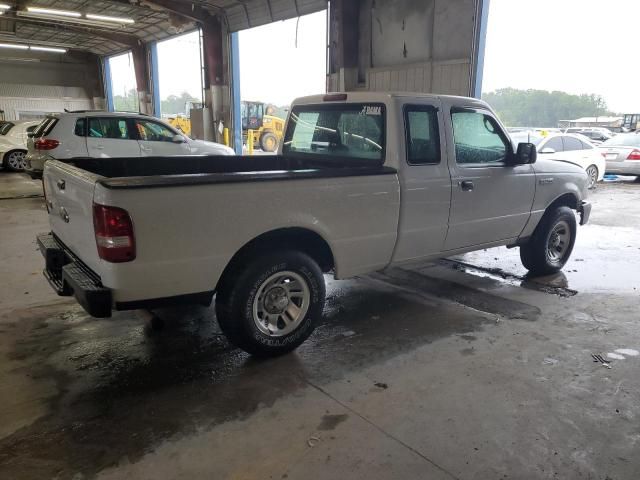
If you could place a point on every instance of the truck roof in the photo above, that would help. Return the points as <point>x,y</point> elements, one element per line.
<point>365,97</point>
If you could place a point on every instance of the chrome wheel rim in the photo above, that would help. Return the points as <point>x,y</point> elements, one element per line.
<point>593,176</point>
<point>16,160</point>
<point>558,242</point>
<point>281,303</point>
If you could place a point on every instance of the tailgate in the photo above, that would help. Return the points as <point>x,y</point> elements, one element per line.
<point>69,195</point>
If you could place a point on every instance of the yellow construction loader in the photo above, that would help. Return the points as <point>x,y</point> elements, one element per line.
<point>268,128</point>
<point>182,121</point>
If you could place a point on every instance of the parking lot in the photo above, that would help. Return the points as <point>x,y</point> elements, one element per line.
<point>461,369</point>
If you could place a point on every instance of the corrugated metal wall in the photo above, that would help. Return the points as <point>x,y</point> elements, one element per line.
<point>443,77</point>
<point>27,101</point>
<point>252,13</point>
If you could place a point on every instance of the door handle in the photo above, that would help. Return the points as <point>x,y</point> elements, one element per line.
<point>466,185</point>
<point>61,184</point>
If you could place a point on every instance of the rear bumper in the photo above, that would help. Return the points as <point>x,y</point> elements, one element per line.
<point>624,168</point>
<point>585,212</point>
<point>68,276</point>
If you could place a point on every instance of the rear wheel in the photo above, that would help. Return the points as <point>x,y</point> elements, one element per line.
<point>552,242</point>
<point>15,160</point>
<point>592,173</point>
<point>270,304</point>
<point>269,142</point>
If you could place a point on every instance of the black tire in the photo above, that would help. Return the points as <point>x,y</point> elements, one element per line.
<point>7,159</point>
<point>537,255</point>
<point>269,142</point>
<point>236,299</point>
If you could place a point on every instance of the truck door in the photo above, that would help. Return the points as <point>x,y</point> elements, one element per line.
<point>425,182</point>
<point>490,199</point>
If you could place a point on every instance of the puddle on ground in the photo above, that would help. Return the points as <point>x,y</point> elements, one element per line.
<point>556,284</point>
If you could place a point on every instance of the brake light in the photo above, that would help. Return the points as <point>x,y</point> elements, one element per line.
<point>335,97</point>
<point>634,155</point>
<point>114,234</point>
<point>46,144</point>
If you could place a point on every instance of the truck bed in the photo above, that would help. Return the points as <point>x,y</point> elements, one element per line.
<point>147,172</point>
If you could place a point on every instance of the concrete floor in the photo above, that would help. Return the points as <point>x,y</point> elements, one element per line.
<point>465,369</point>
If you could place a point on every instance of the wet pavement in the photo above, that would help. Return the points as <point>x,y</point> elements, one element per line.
<point>465,368</point>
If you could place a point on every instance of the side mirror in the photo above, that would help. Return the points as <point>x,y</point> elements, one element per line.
<point>178,139</point>
<point>525,154</point>
<point>547,150</point>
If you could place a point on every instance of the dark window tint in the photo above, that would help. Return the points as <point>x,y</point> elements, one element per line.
<point>423,138</point>
<point>154,132</point>
<point>477,138</point>
<point>351,130</point>
<point>115,128</point>
<point>571,144</point>
<point>45,127</point>
<point>554,143</point>
<point>5,127</point>
<point>81,127</point>
<point>31,128</point>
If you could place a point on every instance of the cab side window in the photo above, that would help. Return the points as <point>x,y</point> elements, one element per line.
<point>477,138</point>
<point>422,135</point>
<point>154,132</point>
<point>114,128</point>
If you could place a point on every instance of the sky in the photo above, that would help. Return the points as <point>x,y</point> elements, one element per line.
<point>577,46</point>
<point>274,70</point>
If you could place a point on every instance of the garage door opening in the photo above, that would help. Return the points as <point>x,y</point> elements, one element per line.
<point>122,79</point>
<point>278,63</point>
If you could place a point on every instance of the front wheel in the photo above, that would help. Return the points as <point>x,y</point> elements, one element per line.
<point>592,173</point>
<point>269,142</point>
<point>270,304</point>
<point>552,242</point>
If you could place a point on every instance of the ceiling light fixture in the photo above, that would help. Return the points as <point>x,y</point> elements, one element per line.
<point>48,49</point>
<point>11,45</point>
<point>106,18</point>
<point>51,11</point>
<point>4,6</point>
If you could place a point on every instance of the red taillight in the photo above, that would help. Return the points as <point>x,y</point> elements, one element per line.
<point>46,144</point>
<point>114,234</point>
<point>634,155</point>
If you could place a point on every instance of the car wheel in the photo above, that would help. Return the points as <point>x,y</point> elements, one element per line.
<point>592,173</point>
<point>269,142</point>
<point>270,305</point>
<point>15,160</point>
<point>552,242</point>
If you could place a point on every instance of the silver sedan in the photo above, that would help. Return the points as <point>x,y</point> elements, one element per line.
<point>622,154</point>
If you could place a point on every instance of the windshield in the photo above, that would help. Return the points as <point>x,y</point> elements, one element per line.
<point>352,130</point>
<point>5,127</point>
<point>628,140</point>
<point>525,137</point>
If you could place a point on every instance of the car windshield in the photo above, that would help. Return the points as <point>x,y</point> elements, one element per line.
<point>628,140</point>
<point>5,127</point>
<point>525,137</point>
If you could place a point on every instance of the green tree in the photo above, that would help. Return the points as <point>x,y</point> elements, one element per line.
<point>540,108</point>
<point>175,104</point>
<point>127,102</point>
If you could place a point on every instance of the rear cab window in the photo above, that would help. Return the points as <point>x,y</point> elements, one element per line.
<point>348,132</point>
<point>422,134</point>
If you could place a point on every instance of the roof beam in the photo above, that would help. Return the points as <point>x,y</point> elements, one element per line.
<point>123,38</point>
<point>190,11</point>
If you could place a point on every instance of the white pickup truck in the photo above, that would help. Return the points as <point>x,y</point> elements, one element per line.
<point>363,181</point>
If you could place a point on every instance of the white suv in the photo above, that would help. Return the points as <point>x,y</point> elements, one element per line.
<point>96,134</point>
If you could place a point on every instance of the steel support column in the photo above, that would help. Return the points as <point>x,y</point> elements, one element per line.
<point>214,84</point>
<point>141,68</point>
<point>479,47</point>
<point>235,93</point>
<point>108,86</point>
<point>155,81</point>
